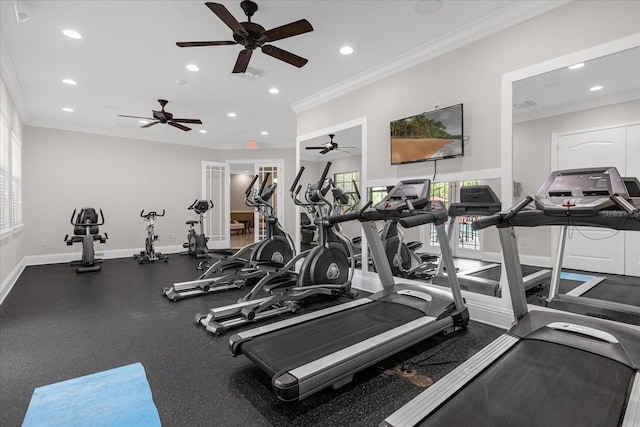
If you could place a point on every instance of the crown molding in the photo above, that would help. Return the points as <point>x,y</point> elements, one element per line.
<point>511,15</point>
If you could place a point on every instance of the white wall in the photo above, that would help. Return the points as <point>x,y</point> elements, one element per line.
<point>471,75</point>
<point>239,184</point>
<point>66,170</point>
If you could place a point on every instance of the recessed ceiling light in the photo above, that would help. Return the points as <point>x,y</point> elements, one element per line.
<point>193,67</point>
<point>576,66</point>
<point>346,50</point>
<point>67,109</point>
<point>202,131</point>
<point>595,88</point>
<point>143,122</point>
<point>427,7</point>
<point>264,132</point>
<point>231,114</point>
<point>274,90</point>
<point>72,34</point>
<point>69,82</point>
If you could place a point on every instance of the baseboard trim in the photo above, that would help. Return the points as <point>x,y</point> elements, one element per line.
<point>10,280</point>
<point>491,315</point>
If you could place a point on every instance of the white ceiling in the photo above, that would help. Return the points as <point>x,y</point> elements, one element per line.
<point>127,59</point>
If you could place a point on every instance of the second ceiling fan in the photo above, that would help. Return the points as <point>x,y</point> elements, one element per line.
<point>253,36</point>
<point>329,146</point>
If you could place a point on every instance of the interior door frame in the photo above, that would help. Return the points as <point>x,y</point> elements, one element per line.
<point>226,242</point>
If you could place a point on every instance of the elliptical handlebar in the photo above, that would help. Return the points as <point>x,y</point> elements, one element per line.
<point>247,192</point>
<point>151,214</point>
<point>296,180</point>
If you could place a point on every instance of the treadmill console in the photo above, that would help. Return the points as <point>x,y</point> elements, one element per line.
<point>415,190</point>
<point>633,190</point>
<point>476,200</point>
<point>580,192</point>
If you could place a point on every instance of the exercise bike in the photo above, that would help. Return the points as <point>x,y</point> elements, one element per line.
<point>197,242</point>
<point>250,263</point>
<point>326,269</point>
<point>149,253</point>
<point>85,230</point>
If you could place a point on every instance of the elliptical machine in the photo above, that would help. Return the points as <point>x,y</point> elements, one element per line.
<point>149,253</point>
<point>250,263</point>
<point>197,243</point>
<point>326,269</point>
<point>85,230</point>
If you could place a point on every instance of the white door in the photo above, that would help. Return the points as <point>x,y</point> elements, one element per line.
<point>215,187</point>
<point>632,247</point>
<point>590,248</point>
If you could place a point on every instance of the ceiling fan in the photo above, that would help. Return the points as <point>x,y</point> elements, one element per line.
<point>329,146</point>
<point>253,36</point>
<point>165,117</point>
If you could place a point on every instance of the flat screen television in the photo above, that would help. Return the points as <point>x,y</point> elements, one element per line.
<point>433,135</point>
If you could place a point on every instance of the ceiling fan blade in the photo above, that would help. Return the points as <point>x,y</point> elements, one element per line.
<point>178,125</point>
<point>227,18</point>
<point>196,44</point>
<point>285,56</point>
<point>243,61</point>
<point>325,151</point>
<point>316,148</point>
<point>344,151</point>
<point>136,117</point>
<point>148,125</point>
<point>293,29</point>
<point>196,121</point>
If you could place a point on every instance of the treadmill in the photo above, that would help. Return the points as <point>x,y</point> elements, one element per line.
<point>580,300</point>
<point>308,353</point>
<point>481,200</point>
<point>551,368</point>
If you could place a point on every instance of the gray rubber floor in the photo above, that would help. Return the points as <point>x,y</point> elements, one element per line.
<point>56,325</point>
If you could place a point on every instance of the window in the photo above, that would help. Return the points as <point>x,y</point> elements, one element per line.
<point>16,181</point>
<point>448,192</point>
<point>348,182</point>
<point>4,173</point>
<point>10,177</point>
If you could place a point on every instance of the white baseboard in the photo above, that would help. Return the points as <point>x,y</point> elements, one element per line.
<point>10,280</point>
<point>491,315</point>
<point>110,254</point>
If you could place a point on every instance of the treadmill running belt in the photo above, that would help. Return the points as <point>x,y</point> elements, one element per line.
<point>539,383</point>
<point>297,345</point>
<point>616,290</point>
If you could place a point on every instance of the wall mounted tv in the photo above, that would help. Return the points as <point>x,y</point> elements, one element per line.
<point>433,135</point>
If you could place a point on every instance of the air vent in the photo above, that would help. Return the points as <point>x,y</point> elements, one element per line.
<point>250,74</point>
<point>524,105</point>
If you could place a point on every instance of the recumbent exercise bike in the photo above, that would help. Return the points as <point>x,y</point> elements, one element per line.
<point>85,230</point>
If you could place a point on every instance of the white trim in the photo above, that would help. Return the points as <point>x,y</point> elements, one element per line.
<point>10,280</point>
<point>493,315</point>
<point>511,15</point>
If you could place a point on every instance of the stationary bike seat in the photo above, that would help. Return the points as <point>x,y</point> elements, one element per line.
<point>191,222</point>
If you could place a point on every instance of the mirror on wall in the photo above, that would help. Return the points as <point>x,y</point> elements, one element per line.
<point>583,114</point>
<point>343,148</point>
<point>413,253</point>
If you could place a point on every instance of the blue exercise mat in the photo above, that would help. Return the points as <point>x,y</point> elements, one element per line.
<point>117,397</point>
<point>575,277</point>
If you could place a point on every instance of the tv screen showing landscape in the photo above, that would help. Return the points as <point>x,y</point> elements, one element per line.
<point>428,136</point>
